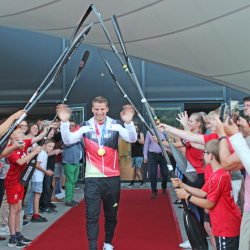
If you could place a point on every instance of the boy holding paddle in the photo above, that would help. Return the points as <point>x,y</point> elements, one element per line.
<point>224,214</point>
<point>14,190</point>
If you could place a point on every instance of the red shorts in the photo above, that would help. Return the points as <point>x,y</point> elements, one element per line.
<point>14,193</point>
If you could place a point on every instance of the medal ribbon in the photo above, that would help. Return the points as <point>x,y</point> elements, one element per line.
<point>100,138</point>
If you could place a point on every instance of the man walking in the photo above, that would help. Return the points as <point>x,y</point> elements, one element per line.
<point>101,136</point>
<point>152,152</point>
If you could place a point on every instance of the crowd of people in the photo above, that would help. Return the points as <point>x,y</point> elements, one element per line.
<point>220,195</point>
<point>58,148</point>
<point>220,158</point>
<point>54,179</point>
<point>217,151</point>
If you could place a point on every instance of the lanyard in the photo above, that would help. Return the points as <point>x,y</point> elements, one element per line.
<point>100,140</point>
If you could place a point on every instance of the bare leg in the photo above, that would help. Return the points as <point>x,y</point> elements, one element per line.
<point>134,174</point>
<point>36,202</point>
<point>12,218</point>
<point>242,194</point>
<point>18,216</point>
<point>210,234</point>
<point>55,179</point>
<point>138,173</point>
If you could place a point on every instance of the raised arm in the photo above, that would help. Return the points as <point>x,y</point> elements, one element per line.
<point>7,124</point>
<point>25,159</point>
<point>129,133</point>
<point>64,113</point>
<point>9,150</point>
<point>186,135</point>
<point>40,136</point>
<point>230,162</point>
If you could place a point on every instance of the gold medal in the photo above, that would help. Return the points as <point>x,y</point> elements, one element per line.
<point>101,151</point>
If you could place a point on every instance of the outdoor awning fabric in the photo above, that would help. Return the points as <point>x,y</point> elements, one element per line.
<point>207,39</point>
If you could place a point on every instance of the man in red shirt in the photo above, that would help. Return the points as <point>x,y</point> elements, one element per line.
<point>14,190</point>
<point>224,214</point>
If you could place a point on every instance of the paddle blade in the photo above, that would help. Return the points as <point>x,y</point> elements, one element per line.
<point>28,171</point>
<point>82,64</point>
<point>195,232</point>
<point>72,50</point>
<point>185,166</point>
<point>4,144</point>
<point>79,24</point>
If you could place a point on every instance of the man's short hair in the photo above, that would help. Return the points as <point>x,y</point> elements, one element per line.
<point>47,141</point>
<point>39,119</point>
<point>72,121</point>
<point>247,98</point>
<point>100,99</point>
<point>213,147</point>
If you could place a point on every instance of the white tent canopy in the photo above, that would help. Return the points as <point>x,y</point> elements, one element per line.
<point>206,39</point>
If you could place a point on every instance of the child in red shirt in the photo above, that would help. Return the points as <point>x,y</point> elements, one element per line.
<point>14,190</point>
<point>224,214</point>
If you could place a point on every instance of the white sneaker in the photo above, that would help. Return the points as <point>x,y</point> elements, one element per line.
<point>107,247</point>
<point>185,244</point>
<point>59,196</point>
<point>62,191</point>
<point>62,194</point>
<point>4,230</point>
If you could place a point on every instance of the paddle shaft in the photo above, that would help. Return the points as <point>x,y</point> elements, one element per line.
<point>135,81</point>
<point>79,24</point>
<point>123,92</point>
<point>64,61</point>
<point>78,73</point>
<point>150,113</point>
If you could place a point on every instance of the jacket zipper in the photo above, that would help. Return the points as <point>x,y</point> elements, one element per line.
<point>90,160</point>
